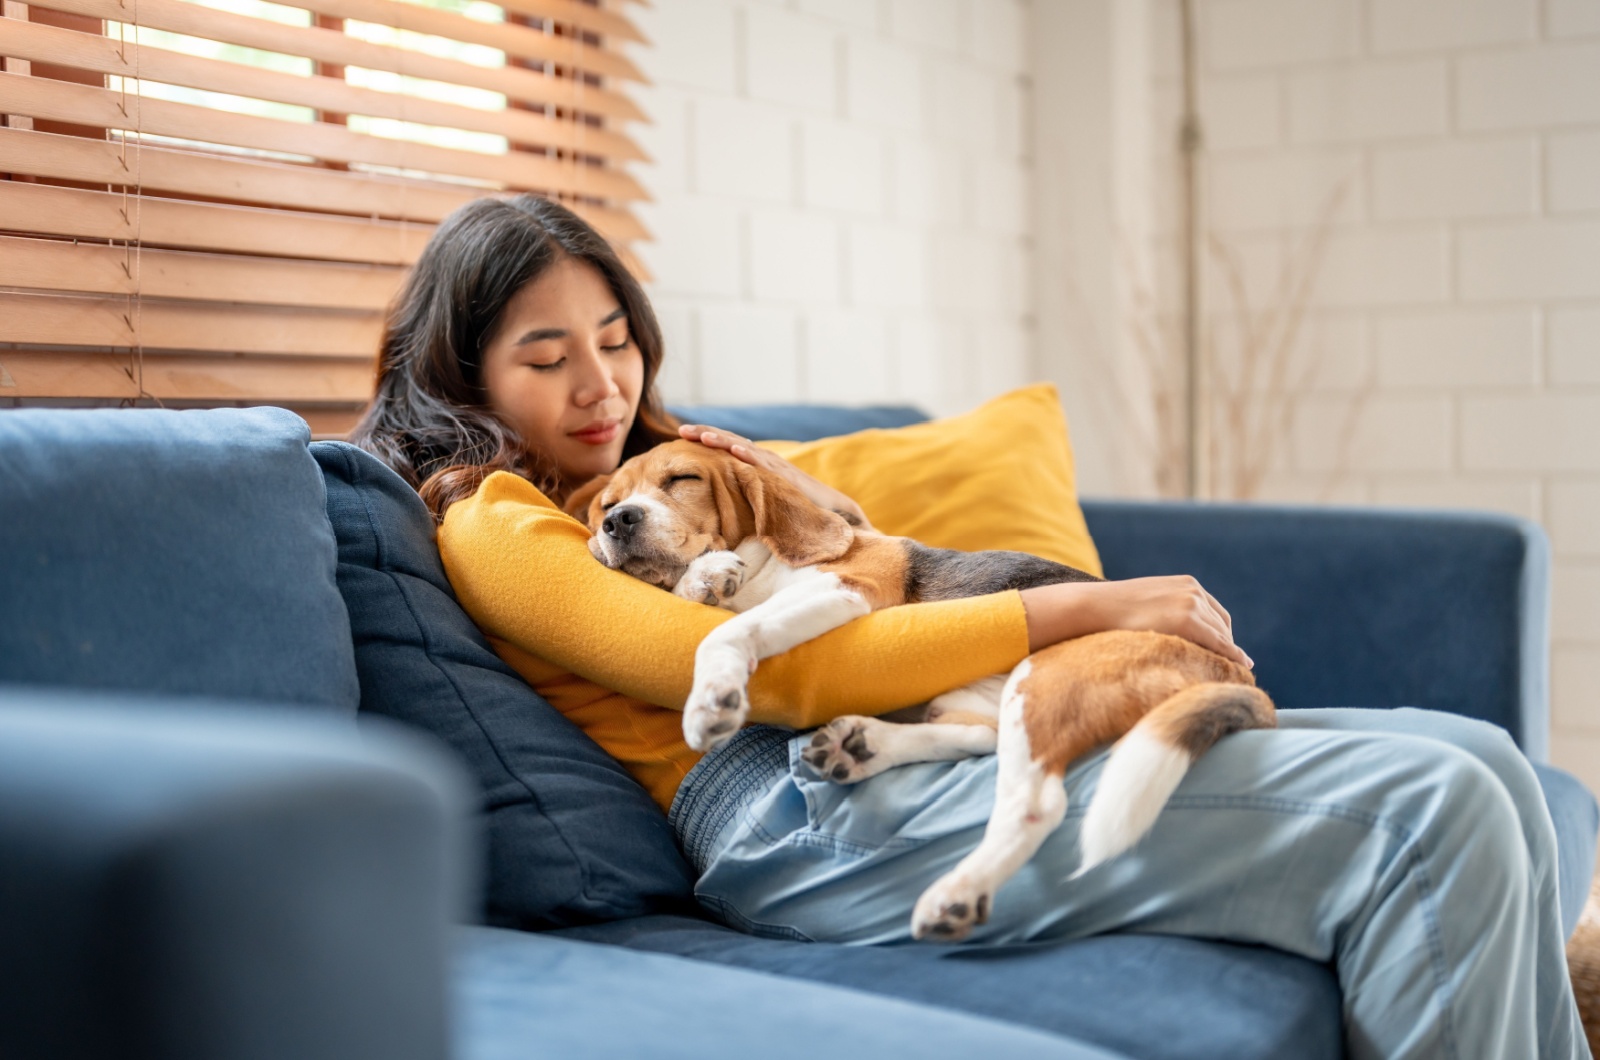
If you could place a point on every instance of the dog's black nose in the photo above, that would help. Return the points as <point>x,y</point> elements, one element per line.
<point>620,522</point>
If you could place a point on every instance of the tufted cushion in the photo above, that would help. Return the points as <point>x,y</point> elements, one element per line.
<point>156,551</point>
<point>571,837</point>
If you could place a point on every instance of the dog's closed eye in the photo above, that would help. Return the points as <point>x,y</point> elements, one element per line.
<point>680,478</point>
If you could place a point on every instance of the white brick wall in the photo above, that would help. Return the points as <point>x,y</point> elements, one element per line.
<point>1464,260</point>
<point>1574,161</point>
<point>842,198</point>
<point>1574,345</point>
<point>1572,18</point>
<point>1450,179</point>
<point>1283,33</point>
<point>1445,25</point>
<point>1529,88</point>
<point>1370,101</point>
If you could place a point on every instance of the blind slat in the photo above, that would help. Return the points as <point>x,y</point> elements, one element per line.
<point>202,251</point>
<point>213,177</point>
<point>510,38</point>
<point>40,97</point>
<point>50,44</point>
<point>184,377</point>
<point>269,183</point>
<point>334,46</point>
<point>47,210</point>
<point>56,265</point>
<point>331,423</point>
<point>579,15</point>
<point>62,320</point>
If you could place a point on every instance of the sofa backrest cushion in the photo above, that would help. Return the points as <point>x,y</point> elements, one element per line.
<point>798,423</point>
<point>571,837</point>
<point>184,553</point>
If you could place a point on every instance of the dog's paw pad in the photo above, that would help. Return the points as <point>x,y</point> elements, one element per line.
<point>713,715</point>
<point>949,910</point>
<point>712,579</point>
<point>841,750</point>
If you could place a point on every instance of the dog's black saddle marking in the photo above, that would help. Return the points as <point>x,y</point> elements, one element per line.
<point>946,574</point>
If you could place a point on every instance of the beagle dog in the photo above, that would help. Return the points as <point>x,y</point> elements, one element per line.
<point>708,527</point>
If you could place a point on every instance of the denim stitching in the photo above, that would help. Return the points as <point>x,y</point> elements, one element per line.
<point>722,784</point>
<point>725,911</point>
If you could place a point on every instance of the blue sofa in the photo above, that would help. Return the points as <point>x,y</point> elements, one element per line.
<point>258,771</point>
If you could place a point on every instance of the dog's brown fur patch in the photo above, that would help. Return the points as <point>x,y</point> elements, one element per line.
<point>1086,693</point>
<point>875,567</point>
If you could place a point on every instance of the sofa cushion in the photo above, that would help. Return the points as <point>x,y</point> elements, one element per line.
<point>1151,996</point>
<point>571,837</point>
<point>188,553</point>
<point>520,995</point>
<point>797,423</point>
<point>1576,815</point>
<point>997,477</point>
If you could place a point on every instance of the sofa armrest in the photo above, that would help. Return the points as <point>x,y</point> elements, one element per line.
<point>189,879</point>
<point>1363,607</point>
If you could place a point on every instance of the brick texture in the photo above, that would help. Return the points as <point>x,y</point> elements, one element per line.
<point>1467,250</point>
<point>1438,25</point>
<point>1456,179</point>
<point>1574,160</point>
<point>1369,102</point>
<point>842,198</point>
<point>1575,517</point>
<point>1530,88</point>
<point>1255,33</point>
<point>1574,336</point>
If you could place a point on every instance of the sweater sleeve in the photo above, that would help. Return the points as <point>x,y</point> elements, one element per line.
<point>522,569</point>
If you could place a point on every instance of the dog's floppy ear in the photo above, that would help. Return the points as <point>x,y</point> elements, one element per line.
<point>579,502</point>
<point>735,520</point>
<point>787,522</point>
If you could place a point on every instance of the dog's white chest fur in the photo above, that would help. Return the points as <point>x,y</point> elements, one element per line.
<point>765,575</point>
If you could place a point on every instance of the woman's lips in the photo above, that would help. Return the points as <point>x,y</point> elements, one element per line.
<point>598,433</point>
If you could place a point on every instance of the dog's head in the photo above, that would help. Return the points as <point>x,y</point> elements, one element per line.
<point>680,500</point>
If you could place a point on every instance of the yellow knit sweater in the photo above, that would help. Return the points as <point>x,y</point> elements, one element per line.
<point>616,656</point>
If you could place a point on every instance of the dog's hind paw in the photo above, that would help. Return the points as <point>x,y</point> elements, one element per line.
<point>843,750</point>
<point>950,909</point>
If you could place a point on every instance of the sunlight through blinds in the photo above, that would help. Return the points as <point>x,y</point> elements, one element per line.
<point>210,202</point>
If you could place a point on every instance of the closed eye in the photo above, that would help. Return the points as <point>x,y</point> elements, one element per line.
<point>682,478</point>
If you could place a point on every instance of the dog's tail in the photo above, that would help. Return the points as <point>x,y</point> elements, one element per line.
<point>1148,762</point>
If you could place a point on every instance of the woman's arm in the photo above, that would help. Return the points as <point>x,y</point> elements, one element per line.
<point>523,571</point>
<point>1175,604</point>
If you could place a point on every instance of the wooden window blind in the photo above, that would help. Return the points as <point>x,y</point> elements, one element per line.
<point>209,202</point>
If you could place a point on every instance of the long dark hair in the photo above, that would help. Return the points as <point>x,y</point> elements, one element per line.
<point>430,418</point>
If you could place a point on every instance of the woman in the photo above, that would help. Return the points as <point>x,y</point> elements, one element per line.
<point>1421,866</point>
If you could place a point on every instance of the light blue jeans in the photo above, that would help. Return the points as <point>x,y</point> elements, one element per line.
<point>1412,850</point>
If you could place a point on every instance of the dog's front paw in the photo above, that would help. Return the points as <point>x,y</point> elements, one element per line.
<point>712,578</point>
<point>715,711</point>
<point>843,751</point>
<point>950,909</point>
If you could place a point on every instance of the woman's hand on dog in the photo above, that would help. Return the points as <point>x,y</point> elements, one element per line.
<point>819,493</point>
<point>1176,604</point>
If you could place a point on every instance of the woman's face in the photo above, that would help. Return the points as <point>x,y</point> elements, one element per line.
<point>564,372</point>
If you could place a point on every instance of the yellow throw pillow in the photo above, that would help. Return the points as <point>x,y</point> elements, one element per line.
<point>999,476</point>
